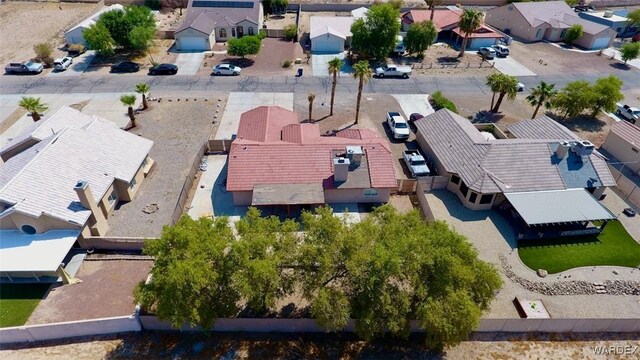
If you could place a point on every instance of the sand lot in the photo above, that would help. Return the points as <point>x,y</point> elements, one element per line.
<point>25,24</point>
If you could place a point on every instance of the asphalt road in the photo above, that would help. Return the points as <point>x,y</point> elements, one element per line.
<point>25,84</point>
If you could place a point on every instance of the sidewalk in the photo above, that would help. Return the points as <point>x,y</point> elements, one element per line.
<point>616,55</point>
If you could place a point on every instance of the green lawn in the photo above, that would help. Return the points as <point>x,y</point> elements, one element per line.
<point>614,246</point>
<point>17,302</point>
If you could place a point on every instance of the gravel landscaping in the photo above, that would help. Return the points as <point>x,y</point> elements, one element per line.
<point>179,127</point>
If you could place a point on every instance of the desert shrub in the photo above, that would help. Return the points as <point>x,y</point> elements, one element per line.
<point>286,64</point>
<point>290,32</point>
<point>439,101</point>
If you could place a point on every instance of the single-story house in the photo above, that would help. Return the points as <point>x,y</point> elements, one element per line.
<point>69,181</point>
<point>208,22</point>
<point>541,169</point>
<point>617,20</point>
<point>359,12</point>
<point>75,34</point>
<point>623,143</point>
<point>547,20</point>
<point>446,23</point>
<point>330,34</point>
<point>275,160</point>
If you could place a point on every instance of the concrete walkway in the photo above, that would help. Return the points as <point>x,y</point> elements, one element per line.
<point>239,103</point>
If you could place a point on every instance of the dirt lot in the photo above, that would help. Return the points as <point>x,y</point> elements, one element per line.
<point>106,290</point>
<point>170,20</point>
<point>321,346</point>
<point>178,129</point>
<point>268,61</point>
<point>25,24</point>
<point>441,53</point>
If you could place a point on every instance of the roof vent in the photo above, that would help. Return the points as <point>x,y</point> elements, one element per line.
<point>354,155</point>
<point>340,169</point>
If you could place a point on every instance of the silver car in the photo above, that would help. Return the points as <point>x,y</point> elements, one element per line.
<point>226,69</point>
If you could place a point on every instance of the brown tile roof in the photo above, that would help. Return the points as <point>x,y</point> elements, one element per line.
<point>627,131</point>
<point>542,127</point>
<point>508,165</point>
<point>481,32</point>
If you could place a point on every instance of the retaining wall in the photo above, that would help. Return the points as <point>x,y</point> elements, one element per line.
<point>112,243</point>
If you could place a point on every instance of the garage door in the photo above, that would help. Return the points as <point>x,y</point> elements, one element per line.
<point>601,43</point>
<point>478,43</point>
<point>193,43</point>
<point>332,44</point>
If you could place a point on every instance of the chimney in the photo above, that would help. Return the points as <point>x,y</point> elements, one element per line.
<point>562,149</point>
<point>97,220</point>
<point>340,169</point>
<point>354,154</point>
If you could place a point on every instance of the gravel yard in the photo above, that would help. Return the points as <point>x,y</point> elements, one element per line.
<point>178,129</point>
<point>547,59</point>
<point>441,53</point>
<point>106,290</point>
<point>25,24</point>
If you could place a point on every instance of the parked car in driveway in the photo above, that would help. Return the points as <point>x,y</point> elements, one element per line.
<point>226,69</point>
<point>521,87</point>
<point>412,118</point>
<point>416,163</point>
<point>487,52</point>
<point>501,50</point>
<point>398,125</point>
<point>26,67</point>
<point>125,66</point>
<point>163,69</point>
<point>62,64</point>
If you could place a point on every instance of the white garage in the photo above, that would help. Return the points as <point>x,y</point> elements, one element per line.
<point>191,43</point>
<point>75,34</point>
<point>330,34</point>
<point>198,35</point>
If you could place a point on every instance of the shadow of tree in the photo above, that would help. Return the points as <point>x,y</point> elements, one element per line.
<point>579,123</point>
<point>241,62</point>
<point>620,66</point>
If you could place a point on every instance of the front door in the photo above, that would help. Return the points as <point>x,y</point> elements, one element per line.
<point>239,31</point>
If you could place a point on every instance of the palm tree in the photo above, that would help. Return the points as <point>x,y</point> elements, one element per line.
<point>334,68</point>
<point>542,94</point>
<point>503,85</point>
<point>362,72</point>
<point>470,21</point>
<point>34,106</point>
<point>432,6</point>
<point>129,100</point>
<point>311,97</point>
<point>143,89</point>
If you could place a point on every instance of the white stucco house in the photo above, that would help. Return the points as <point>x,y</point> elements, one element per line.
<point>330,34</point>
<point>75,34</point>
<point>209,22</point>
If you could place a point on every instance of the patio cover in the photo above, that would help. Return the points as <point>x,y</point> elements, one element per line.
<point>287,194</point>
<point>558,206</point>
<point>44,252</point>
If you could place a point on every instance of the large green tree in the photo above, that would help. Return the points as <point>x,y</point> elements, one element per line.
<point>540,95</point>
<point>98,38</point>
<point>606,93</point>
<point>420,36</point>
<point>374,36</point>
<point>574,33</point>
<point>630,51</point>
<point>131,29</point>
<point>503,85</point>
<point>574,98</point>
<point>470,21</point>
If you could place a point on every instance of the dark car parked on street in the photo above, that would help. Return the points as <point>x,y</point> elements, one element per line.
<point>163,69</point>
<point>125,66</point>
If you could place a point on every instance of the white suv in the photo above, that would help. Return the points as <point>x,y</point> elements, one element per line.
<point>62,64</point>
<point>398,125</point>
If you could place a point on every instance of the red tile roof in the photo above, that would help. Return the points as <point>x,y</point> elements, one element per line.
<point>482,32</point>
<point>442,18</point>
<point>627,131</point>
<point>297,154</point>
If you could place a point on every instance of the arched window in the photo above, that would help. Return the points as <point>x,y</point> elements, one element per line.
<point>28,229</point>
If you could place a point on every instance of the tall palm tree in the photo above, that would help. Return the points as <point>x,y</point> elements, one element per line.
<point>470,21</point>
<point>362,72</point>
<point>311,97</point>
<point>503,85</point>
<point>143,89</point>
<point>129,100</point>
<point>432,6</point>
<point>542,94</point>
<point>334,68</point>
<point>34,106</point>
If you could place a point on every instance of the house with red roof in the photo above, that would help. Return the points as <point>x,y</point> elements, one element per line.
<point>276,160</point>
<point>446,23</point>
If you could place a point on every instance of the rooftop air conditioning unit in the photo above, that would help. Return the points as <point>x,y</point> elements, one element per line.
<point>583,148</point>
<point>608,14</point>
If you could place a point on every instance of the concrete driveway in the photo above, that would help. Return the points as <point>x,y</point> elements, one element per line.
<point>189,63</point>
<point>242,102</point>
<point>511,66</point>
<point>414,103</point>
<point>320,62</point>
<point>79,66</point>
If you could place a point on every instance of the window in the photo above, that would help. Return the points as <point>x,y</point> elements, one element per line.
<point>473,197</point>
<point>251,30</point>
<point>233,32</point>
<point>112,197</point>
<point>464,189</point>
<point>564,31</point>
<point>223,33</point>
<point>634,150</point>
<point>486,199</point>
<point>133,183</point>
<point>538,33</point>
<point>370,192</point>
<point>455,179</point>
<point>28,229</point>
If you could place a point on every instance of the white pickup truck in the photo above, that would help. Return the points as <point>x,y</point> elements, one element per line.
<point>631,114</point>
<point>390,70</point>
<point>416,163</point>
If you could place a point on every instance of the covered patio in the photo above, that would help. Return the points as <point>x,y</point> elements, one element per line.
<point>557,213</point>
